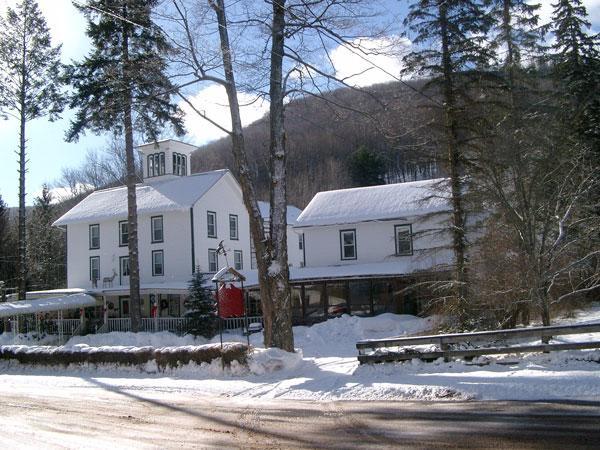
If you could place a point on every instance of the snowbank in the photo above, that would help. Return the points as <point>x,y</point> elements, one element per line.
<point>325,368</point>
<point>27,339</point>
<point>338,337</point>
<point>143,339</point>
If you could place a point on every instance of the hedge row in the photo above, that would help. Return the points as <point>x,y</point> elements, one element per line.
<point>170,357</point>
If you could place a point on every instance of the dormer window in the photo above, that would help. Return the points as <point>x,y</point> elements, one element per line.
<point>156,164</point>
<point>179,164</point>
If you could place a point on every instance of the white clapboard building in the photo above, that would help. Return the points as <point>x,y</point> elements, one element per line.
<point>350,251</point>
<point>182,220</point>
<point>363,247</point>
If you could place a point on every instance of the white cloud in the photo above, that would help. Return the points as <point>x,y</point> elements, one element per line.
<point>213,102</point>
<point>592,7</point>
<point>369,61</point>
<point>67,25</point>
<point>62,193</point>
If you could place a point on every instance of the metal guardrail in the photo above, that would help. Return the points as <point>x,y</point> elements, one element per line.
<point>370,350</point>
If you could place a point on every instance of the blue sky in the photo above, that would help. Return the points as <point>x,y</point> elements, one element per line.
<point>48,152</point>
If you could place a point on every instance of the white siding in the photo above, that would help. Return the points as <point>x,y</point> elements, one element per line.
<point>175,245</point>
<point>375,242</point>
<point>224,198</point>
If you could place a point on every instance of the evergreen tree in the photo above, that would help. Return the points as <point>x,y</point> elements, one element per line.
<point>367,168</point>
<point>29,89</point>
<point>46,251</point>
<point>451,48</point>
<point>202,308</point>
<point>123,84</point>
<point>4,256</point>
<point>577,67</point>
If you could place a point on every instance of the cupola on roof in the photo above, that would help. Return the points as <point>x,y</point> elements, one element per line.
<point>165,159</point>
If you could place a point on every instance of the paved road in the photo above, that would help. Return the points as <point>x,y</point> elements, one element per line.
<point>107,417</point>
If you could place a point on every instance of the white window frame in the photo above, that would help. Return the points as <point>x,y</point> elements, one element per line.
<point>124,268</point>
<point>94,269</point>
<point>213,260</point>
<point>122,243</point>
<point>156,164</point>
<point>343,246</point>
<point>214,224</point>
<point>154,229</point>
<point>406,237</point>
<point>94,226</point>
<point>234,234</point>
<point>156,253</point>
<point>238,260</point>
<point>179,164</point>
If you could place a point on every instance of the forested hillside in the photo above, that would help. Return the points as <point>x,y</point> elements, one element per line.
<point>389,123</point>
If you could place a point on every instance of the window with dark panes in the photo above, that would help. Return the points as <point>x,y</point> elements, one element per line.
<point>157,229</point>
<point>348,244</point>
<point>233,227</point>
<point>123,233</point>
<point>238,263</point>
<point>211,224</point>
<point>94,236</point>
<point>158,268</point>
<point>403,240</point>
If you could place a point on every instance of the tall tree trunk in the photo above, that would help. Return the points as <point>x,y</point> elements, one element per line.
<point>454,156</point>
<point>262,245</point>
<point>134,266</point>
<point>22,287</point>
<point>278,266</point>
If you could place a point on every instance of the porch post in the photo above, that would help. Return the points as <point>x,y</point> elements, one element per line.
<point>371,297</point>
<point>325,299</point>
<point>104,311</point>
<point>303,301</point>
<point>60,326</point>
<point>348,300</point>
<point>157,300</point>
<point>81,320</point>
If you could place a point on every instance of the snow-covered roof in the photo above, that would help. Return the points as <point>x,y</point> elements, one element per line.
<point>386,202</point>
<point>292,212</point>
<point>46,305</point>
<point>170,195</point>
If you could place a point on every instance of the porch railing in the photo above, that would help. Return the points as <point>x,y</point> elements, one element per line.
<point>233,323</point>
<point>118,325</point>
<point>177,325</point>
<point>69,326</point>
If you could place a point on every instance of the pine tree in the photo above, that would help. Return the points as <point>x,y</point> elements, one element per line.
<point>4,257</point>
<point>45,244</point>
<point>577,67</point>
<point>450,41</point>
<point>123,84</point>
<point>201,306</point>
<point>367,168</point>
<point>29,89</point>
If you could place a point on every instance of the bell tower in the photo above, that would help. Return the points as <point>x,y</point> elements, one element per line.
<point>165,160</point>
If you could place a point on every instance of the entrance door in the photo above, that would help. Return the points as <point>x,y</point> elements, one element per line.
<point>124,306</point>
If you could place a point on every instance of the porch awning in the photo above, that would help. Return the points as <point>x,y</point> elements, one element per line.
<point>171,287</point>
<point>41,305</point>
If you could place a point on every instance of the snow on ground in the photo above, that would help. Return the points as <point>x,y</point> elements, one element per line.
<point>325,368</point>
